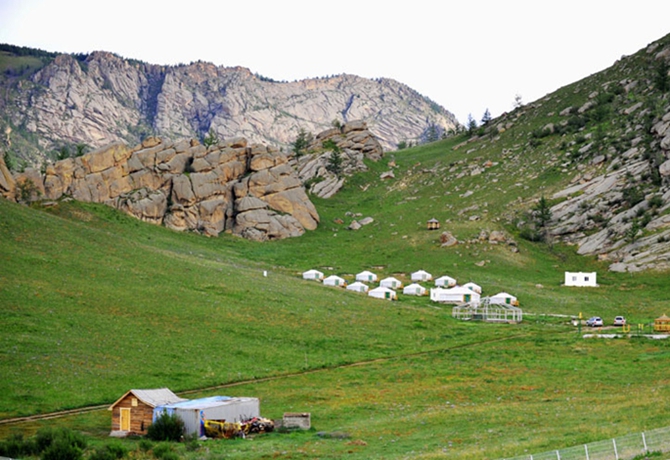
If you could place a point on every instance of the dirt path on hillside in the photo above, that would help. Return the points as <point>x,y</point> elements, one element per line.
<point>83,410</point>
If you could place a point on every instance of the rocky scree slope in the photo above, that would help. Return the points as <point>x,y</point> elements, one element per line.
<point>101,98</point>
<point>600,148</point>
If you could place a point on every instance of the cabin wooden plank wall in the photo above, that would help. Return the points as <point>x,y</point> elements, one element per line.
<point>141,415</point>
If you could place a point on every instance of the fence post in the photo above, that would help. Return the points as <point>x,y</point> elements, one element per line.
<point>644,442</point>
<point>558,455</point>
<point>586,450</point>
<point>616,454</point>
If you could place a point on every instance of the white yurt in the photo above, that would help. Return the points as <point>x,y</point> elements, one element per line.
<point>421,275</point>
<point>334,280</point>
<point>455,295</point>
<point>358,287</point>
<point>445,281</point>
<point>366,276</point>
<point>414,289</point>
<point>504,298</point>
<point>391,283</point>
<point>473,287</point>
<point>312,275</point>
<point>383,293</point>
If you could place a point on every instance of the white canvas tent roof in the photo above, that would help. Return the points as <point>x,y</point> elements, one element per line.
<point>390,282</point>
<point>473,287</point>
<point>421,275</point>
<point>382,293</point>
<point>312,275</point>
<point>414,289</point>
<point>358,287</point>
<point>458,294</point>
<point>334,280</point>
<point>445,281</point>
<point>366,276</point>
<point>502,297</point>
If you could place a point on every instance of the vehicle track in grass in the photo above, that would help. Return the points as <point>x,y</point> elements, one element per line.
<point>83,410</point>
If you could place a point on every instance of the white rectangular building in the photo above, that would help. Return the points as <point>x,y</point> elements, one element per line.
<point>581,279</point>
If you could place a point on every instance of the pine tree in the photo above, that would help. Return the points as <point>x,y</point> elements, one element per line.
<point>487,117</point>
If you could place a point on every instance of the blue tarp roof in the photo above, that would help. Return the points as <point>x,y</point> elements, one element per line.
<point>201,403</point>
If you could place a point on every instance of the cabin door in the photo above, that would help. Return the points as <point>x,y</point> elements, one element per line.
<point>125,419</point>
<point>467,297</point>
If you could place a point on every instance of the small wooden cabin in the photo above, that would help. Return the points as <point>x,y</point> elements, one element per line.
<point>133,412</point>
<point>433,224</point>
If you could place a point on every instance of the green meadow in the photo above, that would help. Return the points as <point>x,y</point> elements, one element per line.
<point>95,303</point>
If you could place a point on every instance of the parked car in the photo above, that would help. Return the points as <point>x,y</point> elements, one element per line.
<point>619,321</point>
<point>594,321</point>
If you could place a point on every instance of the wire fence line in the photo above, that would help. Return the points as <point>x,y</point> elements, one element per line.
<point>623,448</point>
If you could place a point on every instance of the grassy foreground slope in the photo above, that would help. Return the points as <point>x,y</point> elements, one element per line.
<point>93,303</point>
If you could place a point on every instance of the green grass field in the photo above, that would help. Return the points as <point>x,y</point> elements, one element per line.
<point>95,303</point>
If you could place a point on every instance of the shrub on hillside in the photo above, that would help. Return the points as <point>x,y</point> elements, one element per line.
<point>112,451</point>
<point>17,447</point>
<point>167,427</point>
<point>59,444</point>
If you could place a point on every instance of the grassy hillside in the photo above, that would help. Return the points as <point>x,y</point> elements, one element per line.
<point>94,303</point>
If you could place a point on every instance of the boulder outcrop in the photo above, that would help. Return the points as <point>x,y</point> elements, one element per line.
<point>248,190</point>
<point>352,142</point>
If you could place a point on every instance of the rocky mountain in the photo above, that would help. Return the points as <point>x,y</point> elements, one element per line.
<point>600,150</point>
<point>253,191</point>
<point>50,101</point>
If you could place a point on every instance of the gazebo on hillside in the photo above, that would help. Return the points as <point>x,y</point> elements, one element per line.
<point>485,310</point>
<point>433,224</point>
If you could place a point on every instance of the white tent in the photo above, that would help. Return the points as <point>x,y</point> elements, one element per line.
<point>455,295</point>
<point>445,280</point>
<point>312,275</point>
<point>504,298</point>
<point>473,287</point>
<point>334,280</point>
<point>391,283</point>
<point>194,412</point>
<point>414,289</point>
<point>383,293</point>
<point>366,276</point>
<point>421,275</point>
<point>358,287</point>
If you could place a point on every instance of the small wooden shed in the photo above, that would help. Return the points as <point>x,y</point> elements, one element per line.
<point>662,324</point>
<point>133,412</point>
<point>433,224</point>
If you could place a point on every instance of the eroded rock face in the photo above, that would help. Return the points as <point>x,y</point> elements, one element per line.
<point>355,143</point>
<point>248,190</point>
<point>105,98</point>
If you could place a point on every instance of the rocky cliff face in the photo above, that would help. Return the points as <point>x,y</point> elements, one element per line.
<point>250,191</point>
<point>103,98</point>
<point>253,191</point>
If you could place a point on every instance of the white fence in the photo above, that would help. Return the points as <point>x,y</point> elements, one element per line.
<point>623,448</point>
